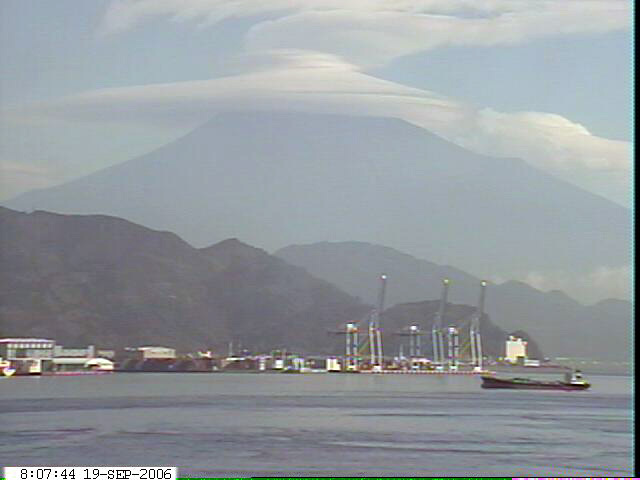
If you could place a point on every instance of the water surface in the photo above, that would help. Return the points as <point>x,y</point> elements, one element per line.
<point>316,424</point>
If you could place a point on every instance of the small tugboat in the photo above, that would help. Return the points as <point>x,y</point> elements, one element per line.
<point>571,382</point>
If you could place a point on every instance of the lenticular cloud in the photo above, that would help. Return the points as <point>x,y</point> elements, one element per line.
<point>298,80</point>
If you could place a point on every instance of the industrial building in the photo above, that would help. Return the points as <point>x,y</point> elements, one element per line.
<point>149,353</point>
<point>36,356</point>
<point>74,360</point>
<point>515,349</point>
<point>28,356</point>
<point>163,359</point>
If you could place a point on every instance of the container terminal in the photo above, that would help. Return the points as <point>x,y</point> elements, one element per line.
<point>363,352</point>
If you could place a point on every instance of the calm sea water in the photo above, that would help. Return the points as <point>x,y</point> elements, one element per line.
<point>316,424</point>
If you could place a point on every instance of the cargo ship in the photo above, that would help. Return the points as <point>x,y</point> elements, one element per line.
<point>571,382</point>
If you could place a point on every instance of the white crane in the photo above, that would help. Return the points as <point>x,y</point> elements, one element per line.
<point>437,336</point>
<point>474,331</point>
<point>453,339</point>
<point>351,357</point>
<point>375,335</point>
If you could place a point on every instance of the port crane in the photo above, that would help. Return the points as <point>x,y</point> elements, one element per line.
<point>352,355</point>
<point>375,334</point>
<point>437,336</point>
<point>474,331</point>
<point>453,350</point>
<point>414,333</point>
<point>353,348</point>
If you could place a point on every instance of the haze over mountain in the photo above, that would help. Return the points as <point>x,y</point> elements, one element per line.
<point>275,179</point>
<point>561,325</point>
<point>106,281</point>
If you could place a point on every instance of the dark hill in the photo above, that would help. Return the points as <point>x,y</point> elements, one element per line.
<point>270,303</point>
<point>99,279</point>
<point>106,281</point>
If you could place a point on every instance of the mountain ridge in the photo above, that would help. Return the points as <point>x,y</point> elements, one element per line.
<point>83,279</point>
<point>278,179</point>
<point>561,325</point>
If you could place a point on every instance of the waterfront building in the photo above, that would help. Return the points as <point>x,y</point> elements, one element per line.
<point>516,350</point>
<point>333,365</point>
<point>60,351</point>
<point>70,360</point>
<point>153,353</point>
<point>81,364</point>
<point>28,355</point>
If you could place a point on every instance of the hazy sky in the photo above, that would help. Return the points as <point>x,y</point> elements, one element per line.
<point>86,84</point>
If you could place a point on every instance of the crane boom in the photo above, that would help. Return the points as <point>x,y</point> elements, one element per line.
<point>436,330</point>
<point>474,333</point>
<point>480,307</point>
<point>443,302</point>
<point>381,295</point>
<point>375,335</point>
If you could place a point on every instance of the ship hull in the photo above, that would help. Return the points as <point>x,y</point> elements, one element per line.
<point>526,384</point>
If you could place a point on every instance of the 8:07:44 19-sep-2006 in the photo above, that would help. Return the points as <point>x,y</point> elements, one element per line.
<point>90,473</point>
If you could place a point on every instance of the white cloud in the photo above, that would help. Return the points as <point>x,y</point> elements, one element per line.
<point>374,37</point>
<point>356,34</point>
<point>323,83</point>
<point>603,282</point>
<point>18,177</point>
<point>369,32</point>
<point>564,144</point>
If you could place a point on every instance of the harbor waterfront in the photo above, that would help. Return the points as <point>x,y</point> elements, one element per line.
<point>253,424</point>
